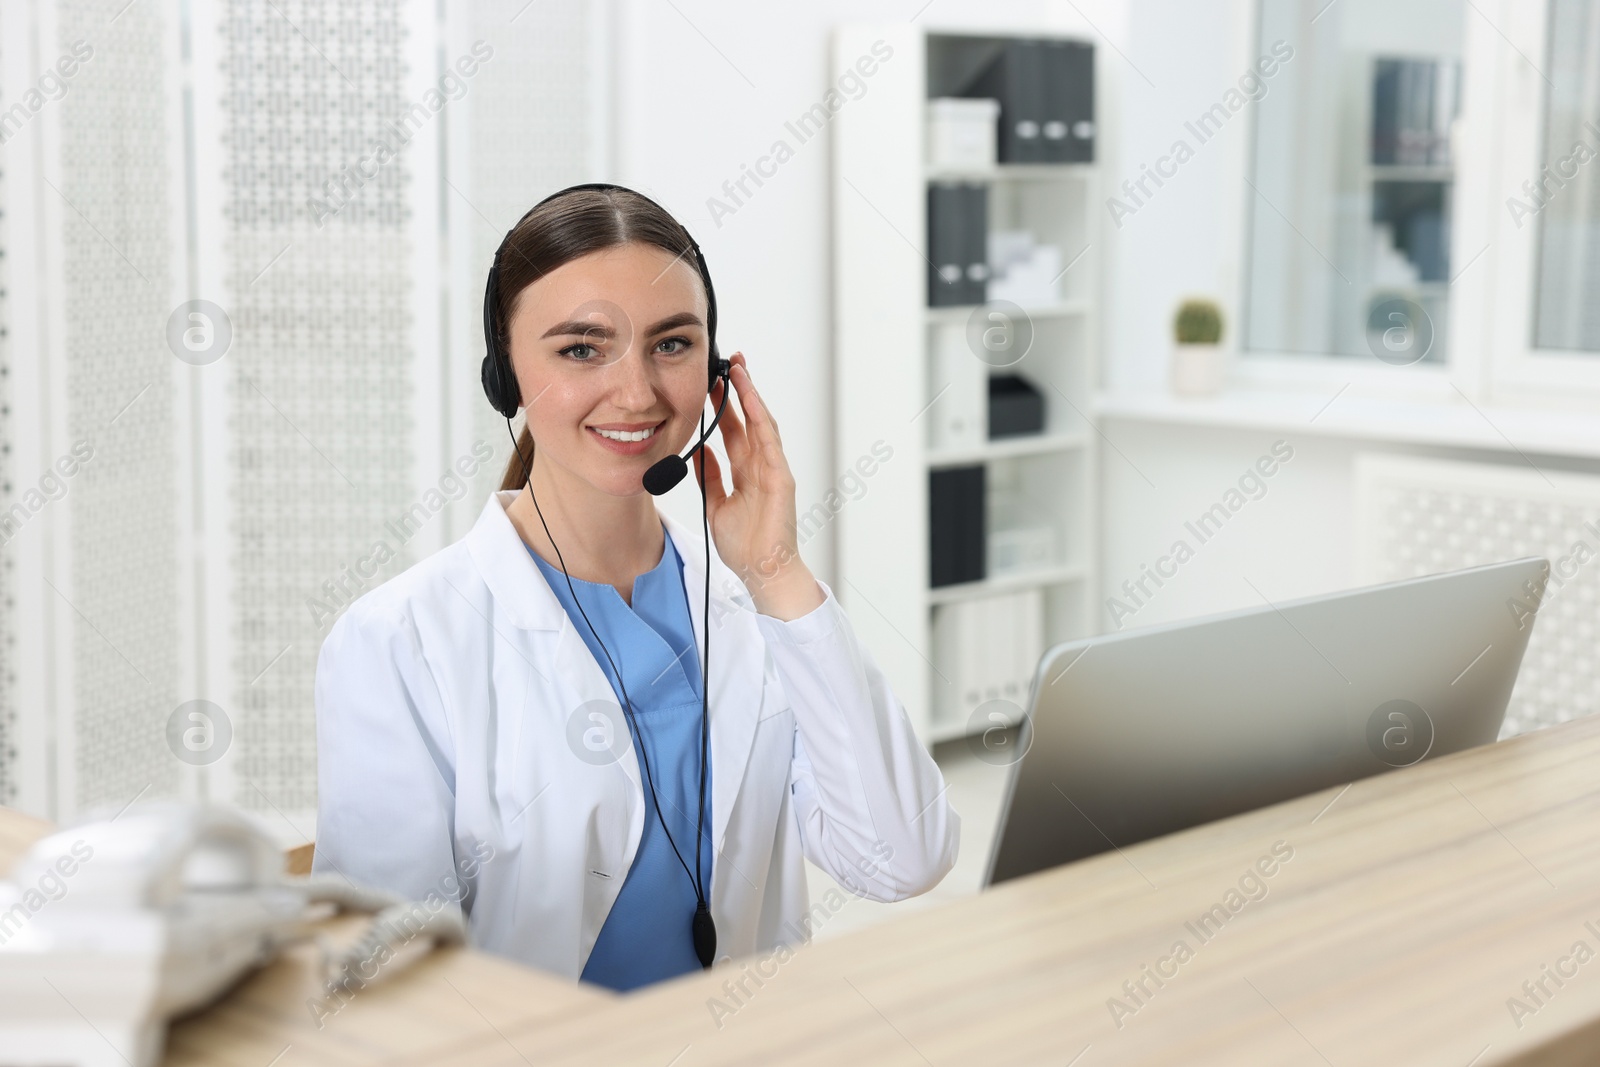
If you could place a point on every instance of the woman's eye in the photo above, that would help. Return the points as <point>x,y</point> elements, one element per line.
<point>680,344</point>
<point>582,353</point>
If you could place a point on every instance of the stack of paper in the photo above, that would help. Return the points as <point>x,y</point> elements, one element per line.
<point>1024,272</point>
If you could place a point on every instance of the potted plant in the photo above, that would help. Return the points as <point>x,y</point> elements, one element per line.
<point>1197,357</point>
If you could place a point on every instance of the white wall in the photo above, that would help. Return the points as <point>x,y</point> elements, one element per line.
<point>1172,246</point>
<point>704,87</point>
<point>1155,478</point>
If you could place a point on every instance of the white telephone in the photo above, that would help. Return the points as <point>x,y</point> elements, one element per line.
<point>111,927</point>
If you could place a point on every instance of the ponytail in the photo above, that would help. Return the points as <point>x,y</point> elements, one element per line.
<point>513,477</point>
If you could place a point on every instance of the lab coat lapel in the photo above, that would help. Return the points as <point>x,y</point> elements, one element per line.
<point>738,672</point>
<point>588,683</point>
<point>738,659</point>
<point>573,676</point>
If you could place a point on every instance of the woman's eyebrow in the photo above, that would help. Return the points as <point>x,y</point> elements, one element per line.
<point>580,328</point>
<point>682,318</point>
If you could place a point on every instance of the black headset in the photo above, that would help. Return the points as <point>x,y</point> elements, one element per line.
<point>500,385</point>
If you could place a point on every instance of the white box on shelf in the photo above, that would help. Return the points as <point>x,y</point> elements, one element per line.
<point>961,132</point>
<point>1020,548</point>
<point>959,417</point>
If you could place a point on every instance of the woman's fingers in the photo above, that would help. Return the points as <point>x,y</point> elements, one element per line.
<point>762,424</point>
<point>752,441</point>
<point>756,435</point>
<point>711,483</point>
<point>734,438</point>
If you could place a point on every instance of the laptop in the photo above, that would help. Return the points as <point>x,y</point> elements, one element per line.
<point>1132,735</point>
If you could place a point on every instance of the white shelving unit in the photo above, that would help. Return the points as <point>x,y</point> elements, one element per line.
<point>886,388</point>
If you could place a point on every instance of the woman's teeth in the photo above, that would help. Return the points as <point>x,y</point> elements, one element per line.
<point>626,435</point>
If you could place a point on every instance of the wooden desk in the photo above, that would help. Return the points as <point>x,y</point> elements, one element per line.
<point>1414,905</point>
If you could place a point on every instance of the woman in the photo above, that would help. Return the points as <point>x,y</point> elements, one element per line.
<point>518,721</point>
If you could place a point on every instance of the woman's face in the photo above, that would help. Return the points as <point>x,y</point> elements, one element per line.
<point>616,341</point>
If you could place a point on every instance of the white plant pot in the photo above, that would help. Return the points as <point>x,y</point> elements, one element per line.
<point>1197,370</point>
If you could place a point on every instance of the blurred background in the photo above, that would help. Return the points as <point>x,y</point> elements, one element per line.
<point>1078,316</point>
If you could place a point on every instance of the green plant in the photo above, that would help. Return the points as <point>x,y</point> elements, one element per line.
<point>1198,322</point>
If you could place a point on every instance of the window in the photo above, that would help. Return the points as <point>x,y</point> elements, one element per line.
<point>1351,180</point>
<point>1567,195</point>
<point>1541,325</point>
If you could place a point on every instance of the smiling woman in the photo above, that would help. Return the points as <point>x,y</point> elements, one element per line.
<point>686,792</point>
<point>601,326</point>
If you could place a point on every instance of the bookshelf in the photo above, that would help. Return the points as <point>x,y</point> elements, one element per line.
<point>1397,181</point>
<point>888,384</point>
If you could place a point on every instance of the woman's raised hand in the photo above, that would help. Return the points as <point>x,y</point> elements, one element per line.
<point>754,526</point>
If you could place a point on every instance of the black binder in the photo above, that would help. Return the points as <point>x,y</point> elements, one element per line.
<point>1068,127</point>
<point>956,543</point>
<point>947,247</point>
<point>975,234</point>
<point>958,243</point>
<point>1016,79</point>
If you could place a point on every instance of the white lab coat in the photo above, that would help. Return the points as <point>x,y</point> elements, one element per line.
<point>444,701</point>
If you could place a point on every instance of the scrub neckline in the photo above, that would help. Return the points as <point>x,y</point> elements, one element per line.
<point>666,548</point>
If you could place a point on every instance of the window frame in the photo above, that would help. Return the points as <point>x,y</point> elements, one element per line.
<point>1519,368</point>
<point>1472,285</point>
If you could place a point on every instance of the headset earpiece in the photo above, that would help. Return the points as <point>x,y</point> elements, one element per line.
<point>499,381</point>
<point>715,364</point>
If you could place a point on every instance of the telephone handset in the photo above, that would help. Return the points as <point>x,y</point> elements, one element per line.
<point>110,927</point>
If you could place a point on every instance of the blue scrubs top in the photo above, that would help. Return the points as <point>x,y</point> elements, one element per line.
<point>646,937</point>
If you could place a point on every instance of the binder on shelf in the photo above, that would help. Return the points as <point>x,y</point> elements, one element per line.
<point>1016,78</point>
<point>1414,102</point>
<point>1068,129</point>
<point>987,649</point>
<point>975,237</point>
<point>955,389</point>
<point>957,691</point>
<point>956,548</point>
<point>958,240</point>
<point>1029,646</point>
<point>992,650</point>
<point>1015,621</point>
<point>946,246</point>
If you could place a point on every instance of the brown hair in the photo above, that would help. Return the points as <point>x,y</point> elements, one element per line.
<point>561,230</point>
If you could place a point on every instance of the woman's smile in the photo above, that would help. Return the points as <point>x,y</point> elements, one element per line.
<point>627,439</point>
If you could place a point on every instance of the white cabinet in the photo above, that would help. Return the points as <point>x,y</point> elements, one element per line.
<point>912,381</point>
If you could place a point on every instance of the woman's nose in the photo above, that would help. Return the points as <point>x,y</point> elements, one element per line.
<point>634,384</point>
